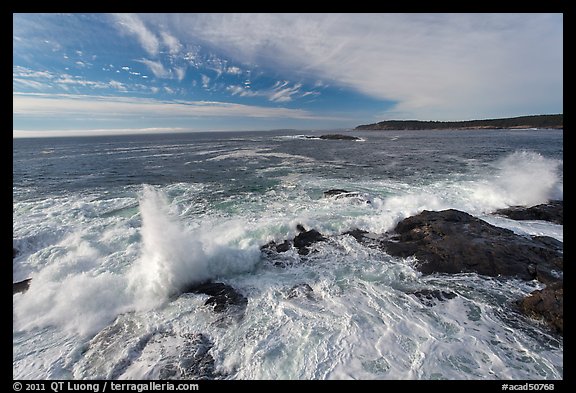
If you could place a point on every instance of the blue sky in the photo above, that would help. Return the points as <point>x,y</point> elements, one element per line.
<point>142,73</point>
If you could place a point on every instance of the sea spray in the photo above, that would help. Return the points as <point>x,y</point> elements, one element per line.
<point>174,257</point>
<point>71,289</point>
<point>523,178</point>
<point>80,233</point>
<point>170,258</point>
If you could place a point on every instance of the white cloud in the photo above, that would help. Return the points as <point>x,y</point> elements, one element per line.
<point>24,72</point>
<point>233,70</point>
<point>133,25</point>
<point>28,105</point>
<point>280,92</point>
<point>97,132</point>
<point>236,90</point>
<point>156,67</point>
<point>46,81</point>
<point>27,83</point>
<point>436,66</point>
<point>205,81</point>
<point>171,42</point>
<point>180,72</point>
<point>117,85</point>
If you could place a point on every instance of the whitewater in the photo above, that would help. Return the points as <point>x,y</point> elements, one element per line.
<point>111,229</point>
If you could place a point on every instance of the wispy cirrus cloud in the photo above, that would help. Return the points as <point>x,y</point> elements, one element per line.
<point>46,81</point>
<point>281,91</point>
<point>99,132</point>
<point>132,25</point>
<point>174,46</point>
<point>436,66</point>
<point>62,105</point>
<point>157,68</point>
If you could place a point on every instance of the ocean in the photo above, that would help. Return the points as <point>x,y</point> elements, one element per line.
<point>110,227</point>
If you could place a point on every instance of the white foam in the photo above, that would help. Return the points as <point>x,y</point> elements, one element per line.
<point>113,273</point>
<point>521,178</point>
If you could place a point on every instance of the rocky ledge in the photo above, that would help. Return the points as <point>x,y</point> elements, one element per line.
<point>451,241</point>
<point>21,286</point>
<point>546,304</point>
<point>222,296</point>
<point>340,137</point>
<point>552,211</point>
<point>302,242</point>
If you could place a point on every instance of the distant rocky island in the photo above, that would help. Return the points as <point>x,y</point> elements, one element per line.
<point>536,121</point>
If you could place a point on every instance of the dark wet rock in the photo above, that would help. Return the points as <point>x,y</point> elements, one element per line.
<point>552,211</point>
<point>451,241</point>
<point>307,238</point>
<point>21,286</point>
<point>195,361</point>
<point>339,194</point>
<point>340,137</point>
<point>549,242</point>
<point>334,192</point>
<point>546,304</point>
<point>191,361</point>
<point>15,252</point>
<point>359,234</point>
<point>285,246</point>
<point>222,296</point>
<point>302,242</point>
<point>429,297</point>
<point>273,246</point>
<point>300,290</point>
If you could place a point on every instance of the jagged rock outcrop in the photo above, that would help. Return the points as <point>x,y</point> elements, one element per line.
<point>21,286</point>
<point>222,296</point>
<point>451,241</point>
<point>305,239</point>
<point>430,297</point>
<point>302,242</point>
<point>546,304</point>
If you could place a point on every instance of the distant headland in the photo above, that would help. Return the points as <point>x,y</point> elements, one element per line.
<point>536,121</point>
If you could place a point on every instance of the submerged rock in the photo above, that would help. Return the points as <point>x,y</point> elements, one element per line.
<point>552,211</point>
<point>334,192</point>
<point>195,361</point>
<point>15,252</point>
<point>451,241</point>
<point>360,235</point>
<point>546,304</point>
<point>353,195</point>
<point>300,290</point>
<point>21,286</point>
<point>222,296</point>
<point>430,296</point>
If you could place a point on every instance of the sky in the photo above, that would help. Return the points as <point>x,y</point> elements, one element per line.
<point>89,74</point>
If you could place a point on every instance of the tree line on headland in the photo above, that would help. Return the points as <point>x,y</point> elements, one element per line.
<point>535,121</point>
